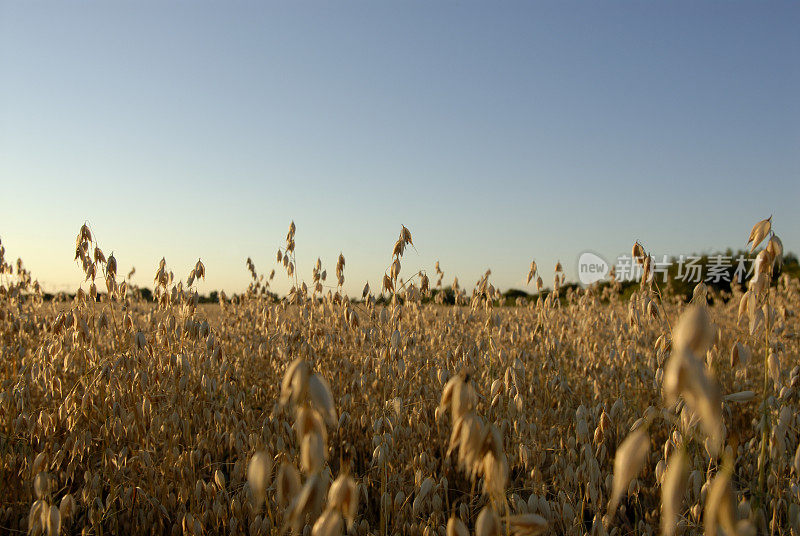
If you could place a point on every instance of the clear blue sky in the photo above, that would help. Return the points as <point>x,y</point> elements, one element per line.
<point>498,132</point>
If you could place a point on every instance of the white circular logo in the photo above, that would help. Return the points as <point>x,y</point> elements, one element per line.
<point>591,268</point>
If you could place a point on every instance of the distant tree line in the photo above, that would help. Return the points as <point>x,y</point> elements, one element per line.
<point>675,275</point>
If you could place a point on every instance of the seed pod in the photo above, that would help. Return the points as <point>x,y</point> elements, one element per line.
<point>740,355</point>
<point>38,517</point>
<point>53,521</point>
<point>288,483</point>
<point>759,232</point>
<point>111,265</point>
<point>312,453</point>
<point>41,485</point>
<point>487,523</point>
<point>531,272</point>
<point>258,476</point>
<point>637,253</point>
<point>307,503</point>
<point>425,489</point>
<point>320,393</point>
<point>764,263</point>
<point>628,461</point>
<point>343,496</point>
<point>67,507</point>
<point>775,249</point>
<point>720,506</point>
<point>219,479</point>
<point>328,524</point>
<point>387,284</point>
<point>528,524</point>
<point>672,490</point>
<point>456,527</point>
<point>39,463</point>
<point>741,396</point>
<point>295,381</point>
<point>405,235</point>
<point>694,331</point>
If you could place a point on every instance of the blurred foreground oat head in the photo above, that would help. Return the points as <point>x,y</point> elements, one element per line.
<point>577,413</point>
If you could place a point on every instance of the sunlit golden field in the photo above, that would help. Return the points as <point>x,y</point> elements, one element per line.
<point>578,413</point>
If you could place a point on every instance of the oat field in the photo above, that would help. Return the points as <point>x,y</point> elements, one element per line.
<point>317,413</point>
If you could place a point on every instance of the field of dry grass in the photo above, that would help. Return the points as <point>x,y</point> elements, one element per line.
<point>319,415</point>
